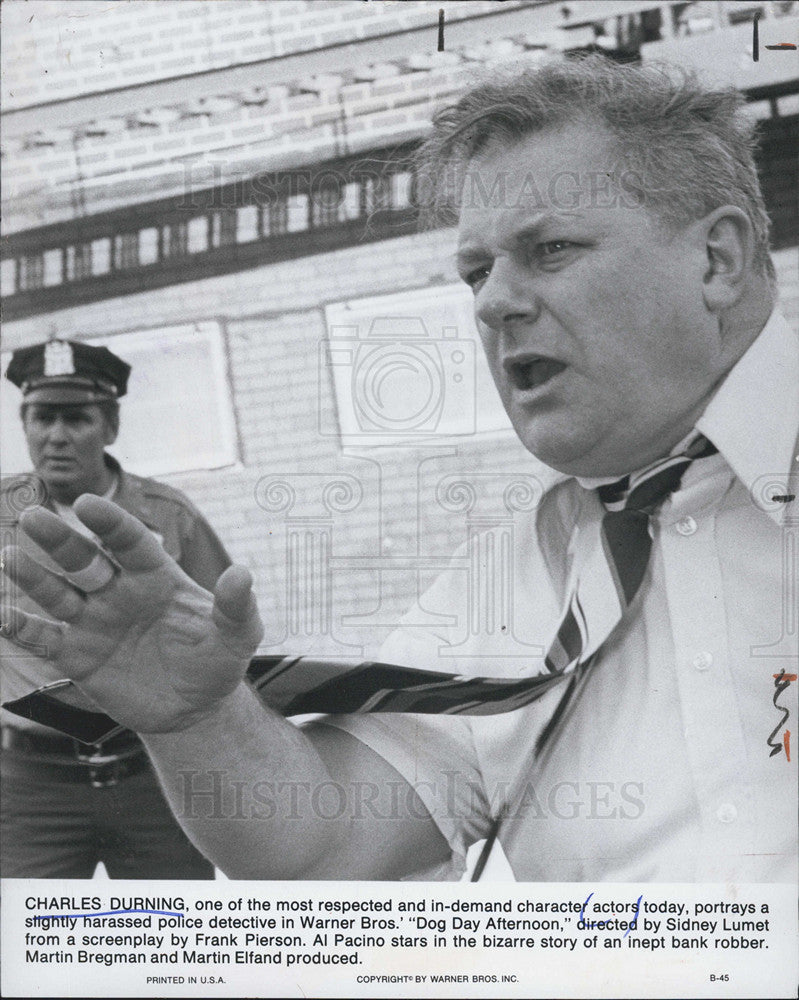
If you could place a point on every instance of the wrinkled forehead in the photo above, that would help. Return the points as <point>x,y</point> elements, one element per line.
<point>566,167</point>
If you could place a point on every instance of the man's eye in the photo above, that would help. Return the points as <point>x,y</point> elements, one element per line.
<point>476,276</point>
<point>553,247</point>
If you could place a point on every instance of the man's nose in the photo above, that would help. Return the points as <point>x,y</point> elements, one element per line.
<point>58,432</point>
<point>506,296</point>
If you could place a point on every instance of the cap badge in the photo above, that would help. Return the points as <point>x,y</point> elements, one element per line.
<point>58,359</point>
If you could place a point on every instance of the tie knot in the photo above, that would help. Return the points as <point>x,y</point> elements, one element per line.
<point>646,490</point>
<point>649,493</point>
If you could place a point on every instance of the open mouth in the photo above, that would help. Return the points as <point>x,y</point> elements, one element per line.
<point>533,372</point>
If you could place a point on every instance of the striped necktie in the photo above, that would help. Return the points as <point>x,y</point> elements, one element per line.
<point>605,582</point>
<point>607,579</point>
<point>614,557</point>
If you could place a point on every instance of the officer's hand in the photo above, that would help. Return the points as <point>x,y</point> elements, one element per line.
<point>149,646</point>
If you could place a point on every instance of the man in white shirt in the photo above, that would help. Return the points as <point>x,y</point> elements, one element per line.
<point>612,229</point>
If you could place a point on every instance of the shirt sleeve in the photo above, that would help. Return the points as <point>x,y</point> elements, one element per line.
<point>435,754</point>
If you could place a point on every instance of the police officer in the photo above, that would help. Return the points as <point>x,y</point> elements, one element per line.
<point>66,807</point>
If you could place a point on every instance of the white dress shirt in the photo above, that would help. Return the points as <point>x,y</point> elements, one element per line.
<point>664,770</point>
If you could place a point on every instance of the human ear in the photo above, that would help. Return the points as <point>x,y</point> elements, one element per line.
<point>729,246</point>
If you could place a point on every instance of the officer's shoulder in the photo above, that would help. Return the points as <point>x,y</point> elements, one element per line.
<point>152,489</point>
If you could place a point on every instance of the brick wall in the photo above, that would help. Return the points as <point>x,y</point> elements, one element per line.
<point>93,47</point>
<point>397,529</point>
<point>197,151</point>
<point>48,175</point>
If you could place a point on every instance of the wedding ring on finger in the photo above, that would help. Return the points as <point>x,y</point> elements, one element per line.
<point>98,574</point>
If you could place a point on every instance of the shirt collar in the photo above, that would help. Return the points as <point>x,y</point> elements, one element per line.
<point>753,419</point>
<point>61,508</point>
<point>592,484</point>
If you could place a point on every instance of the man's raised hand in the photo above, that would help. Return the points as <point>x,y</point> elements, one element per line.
<point>143,641</point>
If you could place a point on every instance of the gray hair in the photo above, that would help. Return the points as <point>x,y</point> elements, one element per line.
<point>690,147</point>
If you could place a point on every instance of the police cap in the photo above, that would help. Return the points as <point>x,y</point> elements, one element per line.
<point>67,372</point>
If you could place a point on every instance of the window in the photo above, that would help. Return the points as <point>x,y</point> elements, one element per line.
<point>8,277</point>
<point>401,187</point>
<point>31,271</point>
<point>275,217</point>
<point>351,202</point>
<point>377,191</point>
<point>79,262</point>
<point>148,246</point>
<point>247,223</point>
<point>175,239</point>
<point>326,205</point>
<point>126,251</point>
<point>297,213</point>
<point>198,234</point>
<point>98,258</point>
<point>224,224</point>
<point>52,267</point>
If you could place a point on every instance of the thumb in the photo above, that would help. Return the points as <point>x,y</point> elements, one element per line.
<point>235,612</point>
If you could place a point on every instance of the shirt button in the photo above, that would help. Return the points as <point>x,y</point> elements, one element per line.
<point>686,526</point>
<point>703,661</point>
<point>727,813</point>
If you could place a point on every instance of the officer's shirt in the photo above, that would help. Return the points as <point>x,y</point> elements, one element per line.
<point>168,513</point>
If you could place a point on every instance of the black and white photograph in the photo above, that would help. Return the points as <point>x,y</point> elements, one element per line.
<point>399,498</point>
